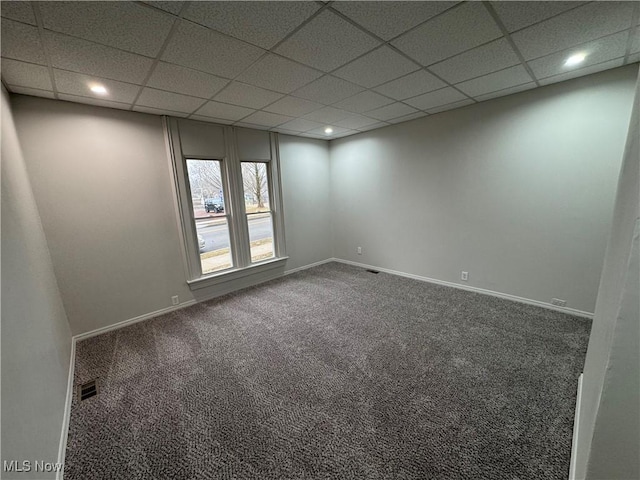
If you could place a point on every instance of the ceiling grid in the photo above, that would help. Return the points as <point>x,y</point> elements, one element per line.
<point>300,67</point>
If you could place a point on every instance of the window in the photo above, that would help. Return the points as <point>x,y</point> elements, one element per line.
<point>212,224</point>
<point>255,180</point>
<point>229,200</point>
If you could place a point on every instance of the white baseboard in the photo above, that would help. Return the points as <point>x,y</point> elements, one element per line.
<point>64,435</point>
<point>576,425</point>
<point>506,296</point>
<point>131,321</point>
<point>311,265</point>
<point>157,313</point>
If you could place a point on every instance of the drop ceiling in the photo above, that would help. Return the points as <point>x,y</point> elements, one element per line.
<point>298,67</point>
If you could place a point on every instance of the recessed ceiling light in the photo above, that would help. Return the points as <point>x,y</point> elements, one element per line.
<point>99,89</point>
<point>328,130</point>
<point>575,59</point>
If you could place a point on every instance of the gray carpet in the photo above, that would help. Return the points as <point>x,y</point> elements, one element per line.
<point>332,373</point>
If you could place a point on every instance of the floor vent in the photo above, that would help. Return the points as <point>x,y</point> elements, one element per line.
<point>373,271</point>
<point>88,390</point>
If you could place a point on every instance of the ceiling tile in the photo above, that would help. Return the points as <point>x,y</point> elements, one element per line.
<point>509,77</point>
<point>450,106</point>
<point>279,74</point>
<point>266,119</point>
<point>436,98</point>
<point>284,131</point>
<point>223,111</point>
<point>506,91</point>
<point>373,127</point>
<point>21,42</point>
<point>377,67</point>
<point>293,106</point>
<point>411,85</point>
<point>245,95</point>
<point>459,29</point>
<point>34,92</point>
<point>336,132</point>
<point>202,118</point>
<point>363,101</point>
<point>390,19</point>
<point>255,126</point>
<point>269,22</point>
<point>19,11</point>
<point>517,15</point>
<point>344,133</point>
<point>198,47</point>
<point>327,115</point>
<point>174,78</point>
<point>607,48</point>
<point>168,6</point>
<point>79,55</point>
<point>407,118</point>
<point>314,136</point>
<point>574,27</point>
<point>328,90</point>
<point>93,101</point>
<point>327,42</point>
<point>583,71</point>
<point>355,122</point>
<point>168,101</point>
<point>301,125</point>
<point>26,74</point>
<point>479,61</point>
<point>635,41</point>
<point>79,84</point>
<point>123,25</point>
<point>634,58</point>
<point>394,110</point>
<point>158,111</point>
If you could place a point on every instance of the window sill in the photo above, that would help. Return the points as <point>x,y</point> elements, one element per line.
<point>231,275</point>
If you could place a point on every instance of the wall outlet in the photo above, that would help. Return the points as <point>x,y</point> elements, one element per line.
<point>464,276</point>
<point>175,300</point>
<point>558,302</point>
<point>359,250</point>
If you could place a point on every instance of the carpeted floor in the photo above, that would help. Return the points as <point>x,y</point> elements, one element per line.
<point>332,373</point>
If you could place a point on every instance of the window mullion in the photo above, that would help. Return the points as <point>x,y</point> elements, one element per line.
<point>239,231</point>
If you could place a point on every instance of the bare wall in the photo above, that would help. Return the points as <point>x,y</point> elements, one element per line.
<point>36,339</point>
<point>304,165</point>
<point>102,181</point>
<point>518,191</point>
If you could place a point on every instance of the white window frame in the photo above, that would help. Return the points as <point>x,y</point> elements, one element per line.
<point>233,191</point>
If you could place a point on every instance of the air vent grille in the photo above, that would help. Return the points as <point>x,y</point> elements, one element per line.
<point>88,390</point>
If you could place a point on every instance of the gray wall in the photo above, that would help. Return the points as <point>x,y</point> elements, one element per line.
<point>609,427</point>
<point>103,183</point>
<point>517,191</point>
<point>36,340</point>
<point>304,165</point>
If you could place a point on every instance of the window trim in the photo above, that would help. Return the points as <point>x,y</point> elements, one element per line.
<point>235,212</point>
